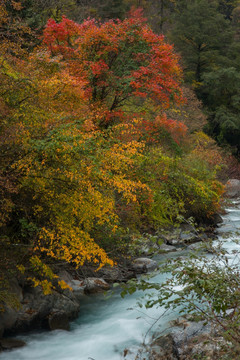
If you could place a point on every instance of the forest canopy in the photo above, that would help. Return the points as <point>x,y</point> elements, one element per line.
<point>100,138</point>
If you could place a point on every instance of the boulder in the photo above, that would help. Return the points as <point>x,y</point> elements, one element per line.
<point>173,237</point>
<point>77,286</point>
<point>36,308</point>
<point>65,276</point>
<point>95,285</point>
<point>59,321</point>
<point>185,234</point>
<point>232,188</point>
<point>143,265</point>
<point>163,349</point>
<point>164,248</point>
<point>112,274</point>
<point>182,337</point>
<point>173,241</point>
<point>9,317</point>
<point>190,339</point>
<point>188,237</point>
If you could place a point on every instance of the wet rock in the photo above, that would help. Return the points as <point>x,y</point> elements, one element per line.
<point>188,237</point>
<point>185,234</point>
<point>142,265</point>
<point>65,276</point>
<point>7,319</point>
<point>173,242</point>
<point>184,237</point>
<point>112,274</point>
<point>167,248</point>
<point>95,285</point>
<point>77,286</point>
<point>9,316</point>
<point>191,330</point>
<point>163,349</point>
<point>173,237</point>
<point>207,348</point>
<point>232,188</point>
<point>36,308</point>
<point>186,341</point>
<point>59,321</point>
<point>11,343</point>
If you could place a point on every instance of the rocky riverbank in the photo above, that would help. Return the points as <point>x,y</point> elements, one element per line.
<point>188,340</point>
<point>56,310</point>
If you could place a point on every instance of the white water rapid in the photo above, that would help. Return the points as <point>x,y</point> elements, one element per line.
<point>106,327</point>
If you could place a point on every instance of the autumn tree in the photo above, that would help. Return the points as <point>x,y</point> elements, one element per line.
<point>84,136</point>
<point>121,63</point>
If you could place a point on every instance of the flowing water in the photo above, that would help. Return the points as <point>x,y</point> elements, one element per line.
<point>108,326</point>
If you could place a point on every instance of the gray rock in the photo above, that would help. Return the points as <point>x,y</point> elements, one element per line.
<point>77,286</point>
<point>9,316</point>
<point>7,319</point>
<point>65,276</point>
<point>167,248</point>
<point>208,349</point>
<point>58,321</point>
<point>188,237</point>
<point>141,265</point>
<point>36,308</point>
<point>179,343</point>
<point>95,285</point>
<point>173,241</point>
<point>173,237</point>
<point>232,188</point>
<point>186,234</point>
<point>191,329</point>
<point>112,274</point>
<point>163,349</point>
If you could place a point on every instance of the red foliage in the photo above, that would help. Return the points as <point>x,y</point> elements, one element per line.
<point>117,60</point>
<point>155,130</point>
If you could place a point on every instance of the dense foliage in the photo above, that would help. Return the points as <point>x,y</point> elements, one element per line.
<point>93,143</point>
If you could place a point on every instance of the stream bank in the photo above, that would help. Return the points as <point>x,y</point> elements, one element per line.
<point>54,311</point>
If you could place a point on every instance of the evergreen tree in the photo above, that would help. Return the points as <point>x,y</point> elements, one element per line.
<point>226,8</point>
<point>222,95</point>
<point>112,9</point>
<point>201,34</point>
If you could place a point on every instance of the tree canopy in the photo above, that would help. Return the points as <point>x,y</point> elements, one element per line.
<point>117,62</point>
<point>94,148</point>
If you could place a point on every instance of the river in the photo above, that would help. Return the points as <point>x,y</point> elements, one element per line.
<point>109,327</point>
